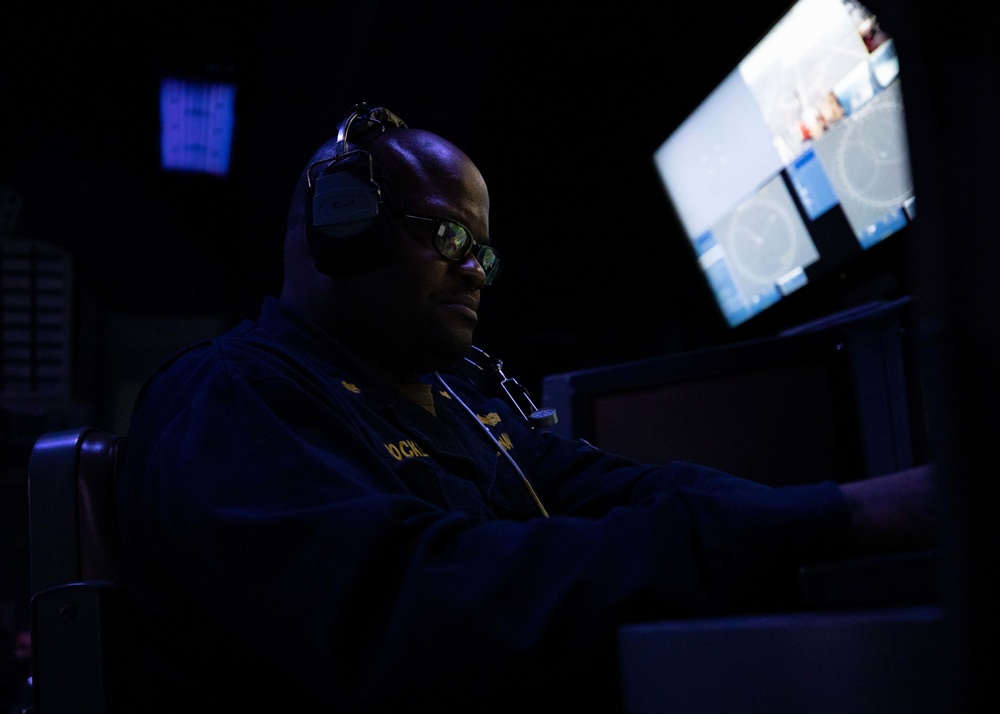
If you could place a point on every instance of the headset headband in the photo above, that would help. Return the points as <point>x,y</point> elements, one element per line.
<point>344,204</point>
<point>368,118</point>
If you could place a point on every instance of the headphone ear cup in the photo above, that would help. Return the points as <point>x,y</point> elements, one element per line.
<point>343,204</point>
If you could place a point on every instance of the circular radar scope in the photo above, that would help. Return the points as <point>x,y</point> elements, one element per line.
<point>873,158</point>
<point>761,241</point>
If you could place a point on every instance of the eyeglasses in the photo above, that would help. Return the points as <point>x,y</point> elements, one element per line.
<point>454,241</point>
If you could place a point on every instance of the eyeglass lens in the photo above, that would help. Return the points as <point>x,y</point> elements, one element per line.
<point>455,242</point>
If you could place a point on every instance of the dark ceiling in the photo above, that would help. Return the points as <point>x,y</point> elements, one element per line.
<point>560,103</point>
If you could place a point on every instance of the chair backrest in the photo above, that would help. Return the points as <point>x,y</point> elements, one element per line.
<point>83,646</point>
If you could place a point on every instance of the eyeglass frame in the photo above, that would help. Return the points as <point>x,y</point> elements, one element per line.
<point>477,249</point>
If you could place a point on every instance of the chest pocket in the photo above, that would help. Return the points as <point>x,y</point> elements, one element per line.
<point>505,490</point>
<point>488,490</point>
<point>508,493</point>
<point>427,480</point>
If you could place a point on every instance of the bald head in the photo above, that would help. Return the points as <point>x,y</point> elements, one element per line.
<point>402,281</point>
<point>403,162</point>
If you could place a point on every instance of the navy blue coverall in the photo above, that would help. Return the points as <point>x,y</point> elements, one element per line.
<point>298,536</point>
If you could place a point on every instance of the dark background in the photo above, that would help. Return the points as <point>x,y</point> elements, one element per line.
<point>561,104</point>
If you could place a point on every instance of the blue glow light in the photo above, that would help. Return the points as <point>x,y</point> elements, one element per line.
<point>196,125</point>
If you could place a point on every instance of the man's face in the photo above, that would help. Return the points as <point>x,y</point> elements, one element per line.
<point>418,312</point>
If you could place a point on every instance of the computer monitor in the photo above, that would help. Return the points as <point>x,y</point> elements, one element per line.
<point>797,163</point>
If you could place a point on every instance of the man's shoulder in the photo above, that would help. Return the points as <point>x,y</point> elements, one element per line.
<point>256,354</point>
<point>189,357</point>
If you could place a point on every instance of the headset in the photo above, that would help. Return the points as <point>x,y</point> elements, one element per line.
<point>343,200</point>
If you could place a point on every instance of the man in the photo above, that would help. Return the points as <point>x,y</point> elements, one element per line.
<point>320,514</point>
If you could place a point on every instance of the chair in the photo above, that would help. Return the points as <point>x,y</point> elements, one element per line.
<point>82,639</point>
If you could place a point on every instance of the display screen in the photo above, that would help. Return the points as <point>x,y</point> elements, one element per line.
<point>797,161</point>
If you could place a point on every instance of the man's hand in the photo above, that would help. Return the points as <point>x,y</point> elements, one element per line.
<point>897,511</point>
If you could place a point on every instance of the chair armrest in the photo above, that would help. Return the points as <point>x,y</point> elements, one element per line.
<point>84,642</point>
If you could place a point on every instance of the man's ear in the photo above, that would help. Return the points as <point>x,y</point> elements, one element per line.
<point>369,250</point>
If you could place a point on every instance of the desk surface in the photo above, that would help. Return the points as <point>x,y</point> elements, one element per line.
<point>864,662</point>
